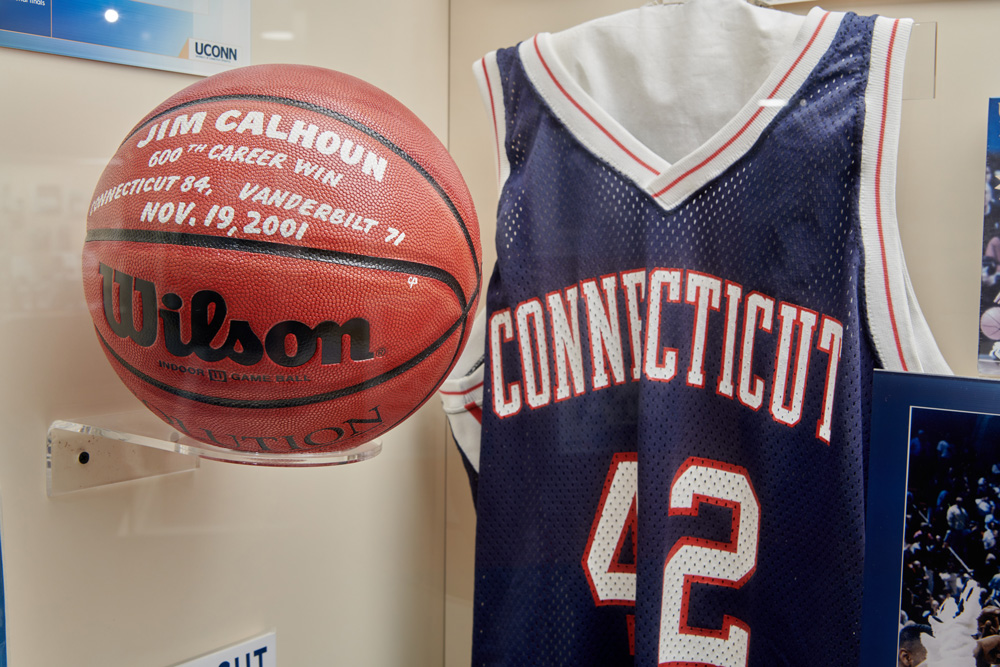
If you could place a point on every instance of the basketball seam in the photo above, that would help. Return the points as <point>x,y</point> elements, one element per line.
<point>347,120</point>
<point>440,380</point>
<point>280,250</point>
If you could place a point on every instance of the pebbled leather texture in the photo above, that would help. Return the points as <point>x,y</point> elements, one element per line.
<point>282,258</point>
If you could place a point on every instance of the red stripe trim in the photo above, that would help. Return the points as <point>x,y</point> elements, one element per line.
<point>460,393</point>
<point>584,111</point>
<point>493,110</point>
<point>755,114</point>
<point>475,411</point>
<point>878,201</point>
<point>712,156</point>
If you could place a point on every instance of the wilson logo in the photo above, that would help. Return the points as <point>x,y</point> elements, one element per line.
<point>207,318</point>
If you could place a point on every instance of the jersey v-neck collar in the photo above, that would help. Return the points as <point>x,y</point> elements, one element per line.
<point>670,184</point>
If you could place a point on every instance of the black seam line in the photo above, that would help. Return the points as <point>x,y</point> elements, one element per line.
<point>285,402</point>
<point>347,120</point>
<point>437,384</point>
<point>281,250</point>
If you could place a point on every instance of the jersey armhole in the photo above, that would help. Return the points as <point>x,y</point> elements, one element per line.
<point>462,396</point>
<point>902,338</point>
<point>487,73</point>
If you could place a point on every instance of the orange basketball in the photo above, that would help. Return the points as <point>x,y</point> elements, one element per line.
<point>282,258</point>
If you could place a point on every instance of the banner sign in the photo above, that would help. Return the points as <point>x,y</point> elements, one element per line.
<point>191,36</point>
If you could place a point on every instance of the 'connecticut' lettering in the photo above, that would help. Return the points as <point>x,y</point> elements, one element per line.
<point>616,325</point>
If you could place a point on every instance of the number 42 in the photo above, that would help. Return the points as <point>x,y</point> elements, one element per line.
<point>692,560</point>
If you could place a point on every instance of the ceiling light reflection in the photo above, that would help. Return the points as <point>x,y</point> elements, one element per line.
<point>278,35</point>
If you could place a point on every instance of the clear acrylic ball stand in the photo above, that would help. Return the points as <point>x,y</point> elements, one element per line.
<point>106,449</point>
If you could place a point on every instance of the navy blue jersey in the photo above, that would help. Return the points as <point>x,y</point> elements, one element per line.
<point>680,334</point>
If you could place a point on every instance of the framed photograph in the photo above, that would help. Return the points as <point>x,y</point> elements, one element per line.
<point>989,295</point>
<point>932,575</point>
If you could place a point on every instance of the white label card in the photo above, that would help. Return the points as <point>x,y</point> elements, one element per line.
<point>260,651</point>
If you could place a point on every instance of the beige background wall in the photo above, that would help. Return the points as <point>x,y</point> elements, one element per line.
<point>346,563</point>
<point>369,564</point>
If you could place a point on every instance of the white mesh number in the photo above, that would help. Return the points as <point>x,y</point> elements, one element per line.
<point>700,561</point>
<point>611,581</point>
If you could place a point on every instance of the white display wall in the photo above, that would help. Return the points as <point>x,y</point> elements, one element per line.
<point>346,563</point>
<point>368,564</point>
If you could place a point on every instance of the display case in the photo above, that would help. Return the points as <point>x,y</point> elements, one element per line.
<point>153,549</point>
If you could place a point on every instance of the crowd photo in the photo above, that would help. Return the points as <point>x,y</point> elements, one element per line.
<point>950,600</point>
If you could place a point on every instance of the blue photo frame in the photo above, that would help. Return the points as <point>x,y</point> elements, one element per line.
<point>928,432</point>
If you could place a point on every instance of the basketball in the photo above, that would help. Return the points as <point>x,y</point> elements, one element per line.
<point>282,259</point>
<point>989,323</point>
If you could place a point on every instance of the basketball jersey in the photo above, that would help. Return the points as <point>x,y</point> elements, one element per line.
<point>667,417</point>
